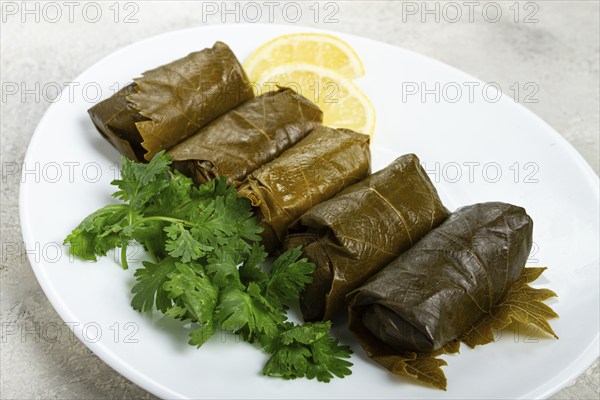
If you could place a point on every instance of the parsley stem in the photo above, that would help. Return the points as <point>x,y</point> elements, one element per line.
<point>124,263</point>
<point>115,206</point>
<point>165,219</point>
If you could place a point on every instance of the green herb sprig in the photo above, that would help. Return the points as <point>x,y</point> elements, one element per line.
<point>205,245</point>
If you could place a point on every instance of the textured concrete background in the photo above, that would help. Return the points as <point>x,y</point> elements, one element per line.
<point>559,53</point>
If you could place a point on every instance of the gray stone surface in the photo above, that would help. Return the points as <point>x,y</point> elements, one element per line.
<point>559,53</point>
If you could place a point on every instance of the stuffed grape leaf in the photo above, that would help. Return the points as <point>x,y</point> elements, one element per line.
<point>115,119</point>
<point>459,282</point>
<point>353,235</point>
<point>243,139</point>
<point>172,102</point>
<point>314,170</point>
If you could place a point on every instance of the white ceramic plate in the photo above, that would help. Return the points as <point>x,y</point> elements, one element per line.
<point>553,183</point>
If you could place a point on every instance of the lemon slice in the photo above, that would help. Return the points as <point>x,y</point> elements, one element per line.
<point>344,105</point>
<point>307,48</point>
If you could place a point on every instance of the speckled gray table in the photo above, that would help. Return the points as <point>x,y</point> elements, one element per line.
<point>553,45</point>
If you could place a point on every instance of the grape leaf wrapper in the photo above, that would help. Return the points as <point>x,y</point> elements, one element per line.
<point>423,367</point>
<point>322,164</point>
<point>170,103</point>
<point>460,282</point>
<point>251,135</point>
<point>522,304</point>
<point>353,235</point>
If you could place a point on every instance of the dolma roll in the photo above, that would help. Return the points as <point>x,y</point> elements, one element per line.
<point>314,170</point>
<point>445,283</point>
<point>247,137</point>
<point>172,102</point>
<point>115,119</point>
<point>353,235</point>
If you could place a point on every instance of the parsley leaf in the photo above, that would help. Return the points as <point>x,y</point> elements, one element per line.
<point>251,269</point>
<point>98,232</point>
<point>140,182</point>
<point>308,351</point>
<point>207,267</point>
<point>182,244</point>
<point>287,277</point>
<point>148,289</point>
<point>224,271</point>
<point>248,313</point>
<point>196,291</point>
